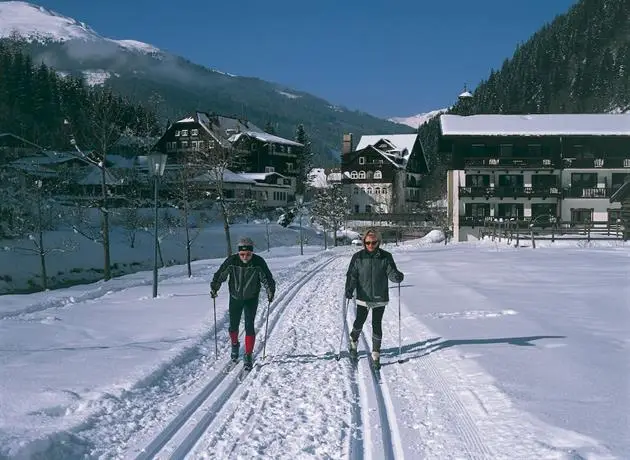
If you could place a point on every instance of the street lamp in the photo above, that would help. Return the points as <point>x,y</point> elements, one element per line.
<point>299,199</point>
<point>157,164</point>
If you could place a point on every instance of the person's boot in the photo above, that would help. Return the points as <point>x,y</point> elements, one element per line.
<point>376,360</point>
<point>235,351</point>
<point>376,352</point>
<point>248,361</point>
<point>353,344</point>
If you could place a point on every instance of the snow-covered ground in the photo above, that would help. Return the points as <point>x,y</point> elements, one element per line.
<point>506,354</point>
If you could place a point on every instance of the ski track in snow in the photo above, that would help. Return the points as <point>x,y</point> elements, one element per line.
<point>300,402</point>
<point>297,403</point>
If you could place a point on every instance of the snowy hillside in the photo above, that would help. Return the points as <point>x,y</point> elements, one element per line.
<point>416,120</point>
<point>36,23</point>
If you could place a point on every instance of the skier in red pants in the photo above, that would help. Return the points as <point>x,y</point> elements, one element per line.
<point>247,272</point>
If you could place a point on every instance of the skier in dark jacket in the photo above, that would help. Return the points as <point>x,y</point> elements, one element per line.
<point>246,272</point>
<point>368,274</point>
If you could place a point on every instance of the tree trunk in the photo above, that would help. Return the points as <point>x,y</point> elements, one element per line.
<point>226,228</point>
<point>42,253</point>
<point>105,223</point>
<point>188,243</point>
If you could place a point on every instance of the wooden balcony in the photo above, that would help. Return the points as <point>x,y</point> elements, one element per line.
<point>513,192</point>
<point>511,163</point>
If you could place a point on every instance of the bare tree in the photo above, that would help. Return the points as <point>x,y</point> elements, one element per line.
<point>215,160</point>
<point>103,116</point>
<point>39,213</point>
<point>330,208</point>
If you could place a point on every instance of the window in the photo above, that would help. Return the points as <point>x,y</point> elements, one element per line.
<point>368,208</point>
<point>361,174</point>
<point>614,215</point>
<point>478,180</point>
<point>581,215</point>
<point>361,160</point>
<point>369,190</point>
<point>356,208</point>
<point>543,209</point>
<point>477,210</point>
<point>184,132</point>
<point>354,175</point>
<point>543,181</point>
<point>378,175</point>
<point>370,174</point>
<point>377,190</point>
<point>194,132</point>
<point>534,150</point>
<point>177,133</point>
<point>290,167</point>
<point>200,144</point>
<point>585,180</point>
<point>505,150</point>
<point>511,180</point>
<point>478,150</point>
<point>269,169</point>
<point>510,210</point>
<point>184,144</point>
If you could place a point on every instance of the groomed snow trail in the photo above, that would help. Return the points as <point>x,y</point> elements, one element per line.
<point>299,402</point>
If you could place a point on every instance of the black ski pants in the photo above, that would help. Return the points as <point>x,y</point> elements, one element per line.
<point>237,307</point>
<point>377,325</point>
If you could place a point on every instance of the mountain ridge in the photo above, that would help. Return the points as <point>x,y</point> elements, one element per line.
<point>142,72</point>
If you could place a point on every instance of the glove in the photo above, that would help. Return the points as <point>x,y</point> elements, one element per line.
<point>270,297</point>
<point>213,293</point>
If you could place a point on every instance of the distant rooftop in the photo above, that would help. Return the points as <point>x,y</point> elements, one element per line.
<point>536,125</point>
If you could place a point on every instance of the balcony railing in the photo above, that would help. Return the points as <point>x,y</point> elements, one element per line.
<point>503,192</point>
<point>589,163</point>
<point>510,163</point>
<point>587,192</point>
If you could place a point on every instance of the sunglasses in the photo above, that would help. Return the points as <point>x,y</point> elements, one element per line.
<point>246,248</point>
<point>370,243</point>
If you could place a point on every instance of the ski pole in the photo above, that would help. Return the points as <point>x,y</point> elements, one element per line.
<point>399,327</point>
<point>216,343</point>
<point>345,325</point>
<point>266,327</point>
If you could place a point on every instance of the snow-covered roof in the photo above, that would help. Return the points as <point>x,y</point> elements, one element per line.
<point>399,141</point>
<point>94,177</point>
<point>261,176</point>
<point>228,177</point>
<point>399,146</point>
<point>601,124</point>
<point>265,137</point>
<point>186,120</point>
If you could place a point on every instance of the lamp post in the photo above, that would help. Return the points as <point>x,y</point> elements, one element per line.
<point>157,164</point>
<point>299,199</point>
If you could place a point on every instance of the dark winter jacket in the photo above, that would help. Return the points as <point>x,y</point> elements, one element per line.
<point>368,274</point>
<point>245,278</point>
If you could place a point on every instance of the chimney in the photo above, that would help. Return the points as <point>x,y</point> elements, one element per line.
<point>347,144</point>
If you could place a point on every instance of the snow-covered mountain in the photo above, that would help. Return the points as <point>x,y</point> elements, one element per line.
<point>416,120</point>
<point>38,24</point>
<point>141,71</point>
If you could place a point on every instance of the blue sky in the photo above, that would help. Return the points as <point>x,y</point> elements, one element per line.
<point>393,58</point>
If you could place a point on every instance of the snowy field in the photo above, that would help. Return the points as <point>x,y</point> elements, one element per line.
<point>83,263</point>
<point>506,354</point>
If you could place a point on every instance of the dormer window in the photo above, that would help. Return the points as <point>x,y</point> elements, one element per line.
<point>177,133</point>
<point>354,175</point>
<point>184,132</point>
<point>194,132</point>
<point>361,174</point>
<point>361,160</point>
<point>378,175</point>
